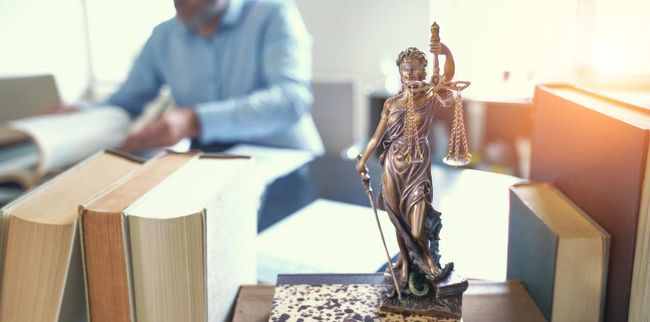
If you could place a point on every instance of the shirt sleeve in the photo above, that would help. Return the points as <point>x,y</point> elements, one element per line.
<point>286,61</point>
<point>142,84</point>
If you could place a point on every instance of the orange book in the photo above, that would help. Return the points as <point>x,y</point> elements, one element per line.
<point>104,247</point>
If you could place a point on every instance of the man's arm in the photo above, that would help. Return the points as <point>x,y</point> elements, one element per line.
<point>142,84</point>
<point>287,69</point>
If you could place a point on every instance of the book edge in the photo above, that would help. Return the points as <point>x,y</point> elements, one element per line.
<point>638,311</point>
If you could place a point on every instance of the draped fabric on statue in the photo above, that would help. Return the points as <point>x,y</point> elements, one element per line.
<point>405,184</point>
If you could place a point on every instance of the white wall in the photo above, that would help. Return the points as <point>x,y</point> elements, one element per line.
<point>44,36</point>
<point>359,38</point>
<point>363,37</point>
<point>118,30</point>
<point>621,41</point>
<point>529,39</point>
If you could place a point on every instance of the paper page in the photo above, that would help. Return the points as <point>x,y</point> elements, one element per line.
<point>22,156</point>
<point>67,138</point>
<point>17,163</point>
<point>272,163</point>
<point>9,136</point>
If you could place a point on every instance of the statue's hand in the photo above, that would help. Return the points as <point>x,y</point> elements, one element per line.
<point>435,48</point>
<point>361,167</point>
<point>417,86</point>
<point>438,49</point>
<point>363,172</point>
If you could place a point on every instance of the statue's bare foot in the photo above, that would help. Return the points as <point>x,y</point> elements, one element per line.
<point>432,268</point>
<point>440,274</point>
<point>403,275</point>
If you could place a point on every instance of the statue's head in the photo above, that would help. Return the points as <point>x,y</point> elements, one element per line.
<point>412,64</point>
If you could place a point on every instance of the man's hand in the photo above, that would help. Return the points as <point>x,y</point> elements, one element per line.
<point>168,129</point>
<point>61,109</point>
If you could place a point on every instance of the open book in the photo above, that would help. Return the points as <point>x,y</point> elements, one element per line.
<point>34,146</point>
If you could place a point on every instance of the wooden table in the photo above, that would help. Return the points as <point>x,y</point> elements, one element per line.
<point>483,301</point>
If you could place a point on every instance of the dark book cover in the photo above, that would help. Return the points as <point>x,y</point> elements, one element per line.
<point>532,254</point>
<point>594,150</point>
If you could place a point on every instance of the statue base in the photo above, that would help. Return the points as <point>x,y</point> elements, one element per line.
<point>447,303</point>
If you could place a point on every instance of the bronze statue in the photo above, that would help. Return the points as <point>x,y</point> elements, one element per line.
<point>406,193</point>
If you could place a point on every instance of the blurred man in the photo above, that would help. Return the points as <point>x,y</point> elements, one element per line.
<point>238,69</point>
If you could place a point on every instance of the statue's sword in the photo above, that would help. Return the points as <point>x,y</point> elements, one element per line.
<point>365,179</point>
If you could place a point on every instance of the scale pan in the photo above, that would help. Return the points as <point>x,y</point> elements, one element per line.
<point>457,162</point>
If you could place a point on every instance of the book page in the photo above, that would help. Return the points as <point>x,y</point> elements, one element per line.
<point>17,163</point>
<point>67,138</point>
<point>20,156</point>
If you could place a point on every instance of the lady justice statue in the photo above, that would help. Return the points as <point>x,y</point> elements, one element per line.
<point>421,283</point>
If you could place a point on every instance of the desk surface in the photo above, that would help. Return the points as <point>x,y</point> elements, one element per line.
<point>474,205</point>
<point>483,301</point>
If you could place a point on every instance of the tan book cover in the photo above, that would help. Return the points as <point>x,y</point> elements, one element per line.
<point>193,241</point>
<point>42,274</point>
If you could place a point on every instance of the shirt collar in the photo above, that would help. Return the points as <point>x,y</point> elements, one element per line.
<point>233,13</point>
<point>230,18</point>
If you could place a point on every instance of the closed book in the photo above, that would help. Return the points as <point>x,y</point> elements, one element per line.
<point>107,269</point>
<point>192,241</point>
<point>558,252</point>
<point>42,273</point>
<point>595,150</point>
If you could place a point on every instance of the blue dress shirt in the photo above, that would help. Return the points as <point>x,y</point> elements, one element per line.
<point>249,81</point>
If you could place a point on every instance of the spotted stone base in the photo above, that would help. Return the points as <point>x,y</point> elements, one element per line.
<point>338,302</point>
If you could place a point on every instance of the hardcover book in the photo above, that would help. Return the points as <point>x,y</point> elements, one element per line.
<point>594,149</point>
<point>558,252</point>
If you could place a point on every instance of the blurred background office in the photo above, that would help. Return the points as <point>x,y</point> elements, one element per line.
<point>503,47</point>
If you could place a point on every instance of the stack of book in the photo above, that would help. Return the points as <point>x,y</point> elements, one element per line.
<point>580,237</point>
<point>116,239</point>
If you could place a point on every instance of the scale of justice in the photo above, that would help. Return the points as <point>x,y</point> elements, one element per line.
<point>417,283</point>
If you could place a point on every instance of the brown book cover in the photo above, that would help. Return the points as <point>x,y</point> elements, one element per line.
<point>103,243</point>
<point>595,150</point>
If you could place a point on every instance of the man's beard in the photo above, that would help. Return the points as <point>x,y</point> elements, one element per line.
<point>207,13</point>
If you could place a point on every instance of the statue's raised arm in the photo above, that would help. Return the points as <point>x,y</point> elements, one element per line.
<point>438,48</point>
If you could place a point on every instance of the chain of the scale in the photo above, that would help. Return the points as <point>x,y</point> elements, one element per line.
<point>458,133</point>
<point>410,132</point>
